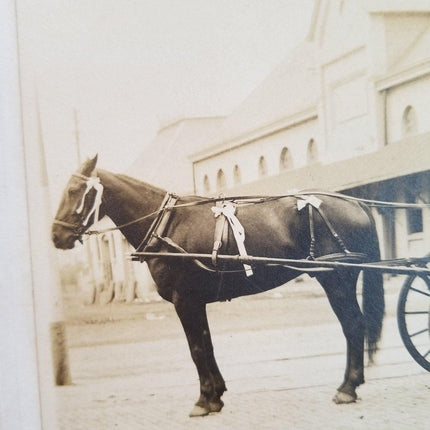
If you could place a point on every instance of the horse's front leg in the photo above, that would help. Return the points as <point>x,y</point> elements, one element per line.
<point>194,321</point>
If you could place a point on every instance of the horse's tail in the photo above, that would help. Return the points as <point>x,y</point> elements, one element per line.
<point>373,295</point>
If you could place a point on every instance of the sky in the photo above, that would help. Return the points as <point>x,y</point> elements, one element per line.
<point>126,67</point>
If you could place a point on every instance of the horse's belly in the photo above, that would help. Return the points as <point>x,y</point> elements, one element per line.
<point>263,279</point>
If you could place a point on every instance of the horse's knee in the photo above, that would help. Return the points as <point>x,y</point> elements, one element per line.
<point>197,353</point>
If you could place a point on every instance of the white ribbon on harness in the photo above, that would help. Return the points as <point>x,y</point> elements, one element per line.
<point>228,210</point>
<point>92,182</point>
<point>303,201</point>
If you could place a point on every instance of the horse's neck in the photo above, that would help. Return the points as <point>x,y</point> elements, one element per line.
<point>126,200</point>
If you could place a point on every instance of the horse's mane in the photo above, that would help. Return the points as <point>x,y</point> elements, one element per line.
<point>132,182</point>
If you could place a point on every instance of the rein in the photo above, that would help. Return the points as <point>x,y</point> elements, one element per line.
<point>93,182</point>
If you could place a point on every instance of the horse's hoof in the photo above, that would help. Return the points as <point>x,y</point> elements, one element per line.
<point>341,398</point>
<point>216,406</point>
<point>199,411</point>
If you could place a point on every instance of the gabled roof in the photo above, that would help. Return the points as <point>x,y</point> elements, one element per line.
<point>416,53</point>
<point>373,7</point>
<point>397,6</point>
<point>290,89</point>
<point>314,20</point>
<point>161,159</point>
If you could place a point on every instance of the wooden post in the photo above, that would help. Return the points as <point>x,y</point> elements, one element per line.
<point>50,280</point>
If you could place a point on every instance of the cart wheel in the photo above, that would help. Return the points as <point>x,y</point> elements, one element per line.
<point>413,318</point>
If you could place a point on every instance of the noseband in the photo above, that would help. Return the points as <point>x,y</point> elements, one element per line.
<point>91,182</point>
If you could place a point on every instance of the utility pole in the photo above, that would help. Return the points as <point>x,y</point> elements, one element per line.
<point>78,144</point>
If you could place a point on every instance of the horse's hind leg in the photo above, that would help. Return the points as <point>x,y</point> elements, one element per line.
<point>341,292</point>
<point>194,321</point>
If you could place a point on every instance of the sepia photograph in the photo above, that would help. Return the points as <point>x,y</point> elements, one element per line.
<point>215,214</point>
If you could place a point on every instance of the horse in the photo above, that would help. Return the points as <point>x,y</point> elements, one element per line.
<point>275,229</point>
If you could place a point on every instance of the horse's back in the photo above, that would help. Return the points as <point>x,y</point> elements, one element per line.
<point>278,228</point>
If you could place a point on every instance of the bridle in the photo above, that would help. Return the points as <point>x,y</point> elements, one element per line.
<point>92,182</point>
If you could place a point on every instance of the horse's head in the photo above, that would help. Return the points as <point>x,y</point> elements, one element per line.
<point>79,206</point>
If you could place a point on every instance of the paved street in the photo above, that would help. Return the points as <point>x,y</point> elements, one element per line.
<point>277,379</point>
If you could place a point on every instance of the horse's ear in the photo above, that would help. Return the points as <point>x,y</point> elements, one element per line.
<point>93,161</point>
<point>89,166</point>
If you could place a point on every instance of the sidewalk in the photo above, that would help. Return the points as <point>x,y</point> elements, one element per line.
<point>277,379</point>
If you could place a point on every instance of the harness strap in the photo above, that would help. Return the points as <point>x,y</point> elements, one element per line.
<point>65,224</point>
<point>228,211</point>
<point>248,200</point>
<point>181,250</point>
<point>312,232</point>
<point>314,203</point>
<point>159,224</point>
<point>333,232</point>
<point>219,235</point>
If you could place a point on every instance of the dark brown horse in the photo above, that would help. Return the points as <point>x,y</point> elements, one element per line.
<point>275,229</point>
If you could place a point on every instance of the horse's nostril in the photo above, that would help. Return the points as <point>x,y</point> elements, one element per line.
<point>55,238</point>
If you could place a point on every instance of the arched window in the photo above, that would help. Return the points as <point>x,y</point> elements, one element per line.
<point>206,185</point>
<point>220,180</point>
<point>312,152</point>
<point>285,161</point>
<point>262,167</point>
<point>237,175</point>
<point>409,121</point>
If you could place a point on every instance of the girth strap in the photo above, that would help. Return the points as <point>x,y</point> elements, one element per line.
<point>227,210</point>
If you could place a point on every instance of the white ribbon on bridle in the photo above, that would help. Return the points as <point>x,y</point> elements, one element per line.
<point>229,210</point>
<point>92,182</point>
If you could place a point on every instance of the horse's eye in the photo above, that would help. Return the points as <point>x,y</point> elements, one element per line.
<point>73,191</point>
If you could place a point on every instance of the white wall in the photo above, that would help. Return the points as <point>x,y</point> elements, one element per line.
<point>342,28</point>
<point>415,93</point>
<point>348,104</point>
<point>247,156</point>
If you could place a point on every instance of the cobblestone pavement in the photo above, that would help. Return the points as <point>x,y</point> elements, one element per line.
<point>277,379</point>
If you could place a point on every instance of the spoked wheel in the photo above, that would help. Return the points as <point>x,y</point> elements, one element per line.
<point>413,318</point>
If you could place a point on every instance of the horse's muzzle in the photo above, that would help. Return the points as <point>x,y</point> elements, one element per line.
<point>64,239</point>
